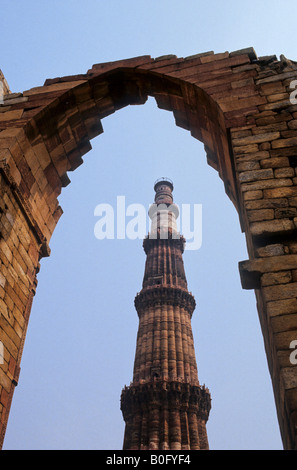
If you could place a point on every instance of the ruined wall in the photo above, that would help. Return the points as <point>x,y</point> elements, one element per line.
<point>19,254</point>
<point>239,105</point>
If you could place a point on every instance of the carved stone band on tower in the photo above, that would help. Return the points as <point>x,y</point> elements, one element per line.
<point>165,407</point>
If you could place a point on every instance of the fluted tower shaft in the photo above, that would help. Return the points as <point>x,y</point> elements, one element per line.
<point>165,407</point>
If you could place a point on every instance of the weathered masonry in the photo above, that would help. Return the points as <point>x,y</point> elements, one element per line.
<point>242,107</point>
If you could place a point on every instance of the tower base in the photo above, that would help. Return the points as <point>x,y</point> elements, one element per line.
<point>163,415</point>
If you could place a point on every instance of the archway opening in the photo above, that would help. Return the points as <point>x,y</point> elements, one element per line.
<point>89,287</point>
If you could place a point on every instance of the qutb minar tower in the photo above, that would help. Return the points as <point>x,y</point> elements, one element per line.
<point>165,407</point>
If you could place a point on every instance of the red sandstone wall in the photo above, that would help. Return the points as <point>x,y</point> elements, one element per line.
<point>237,104</point>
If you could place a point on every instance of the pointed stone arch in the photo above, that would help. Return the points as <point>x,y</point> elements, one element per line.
<point>237,104</point>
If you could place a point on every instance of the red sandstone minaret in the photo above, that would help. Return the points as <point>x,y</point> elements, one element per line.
<point>165,407</point>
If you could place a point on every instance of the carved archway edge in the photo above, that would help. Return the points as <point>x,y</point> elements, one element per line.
<point>236,104</point>
<point>66,113</point>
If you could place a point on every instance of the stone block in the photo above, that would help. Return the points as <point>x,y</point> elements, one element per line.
<point>253,157</point>
<point>246,166</point>
<point>255,175</point>
<point>280,192</point>
<point>292,201</point>
<point>284,152</point>
<point>291,396</point>
<point>280,292</point>
<point>272,127</point>
<point>267,184</point>
<point>277,97</point>
<point>284,172</point>
<point>236,134</point>
<point>273,260</point>
<point>212,57</point>
<point>252,195</point>
<point>282,323</point>
<point>281,307</point>
<point>260,214</point>
<point>241,150</point>
<point>54,87</point>
<point>281,143</point>
<point>11,115</point>
<point>288,133</point>
<point>292,124</point>
<point>256,139</point>
<point>285,212</point>
<point>272,88</point>
<point>250,51</point>
<point>269,227</point>
<point>266,204</point>
<point>288,374</point>
<point>270,279</point>
<point>265,146</point>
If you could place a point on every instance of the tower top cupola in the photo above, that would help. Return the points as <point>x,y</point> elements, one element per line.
<point>163,188</point>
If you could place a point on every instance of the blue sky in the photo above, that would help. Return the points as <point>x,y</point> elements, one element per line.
<point>81,339</point>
